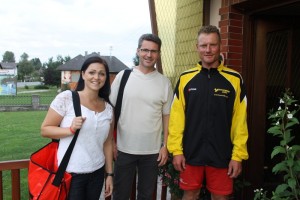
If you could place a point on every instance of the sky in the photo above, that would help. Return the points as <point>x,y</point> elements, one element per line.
<point>48,28</point>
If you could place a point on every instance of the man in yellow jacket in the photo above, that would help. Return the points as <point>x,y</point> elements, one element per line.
<point>208,122</point>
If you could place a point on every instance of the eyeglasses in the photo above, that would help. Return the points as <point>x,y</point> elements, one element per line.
<point>150,51</point>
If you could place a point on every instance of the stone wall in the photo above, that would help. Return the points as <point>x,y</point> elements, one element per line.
<point>22,108</point>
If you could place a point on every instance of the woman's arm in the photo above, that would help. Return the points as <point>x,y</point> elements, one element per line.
<point>50,126</point>
<point>108,153</point>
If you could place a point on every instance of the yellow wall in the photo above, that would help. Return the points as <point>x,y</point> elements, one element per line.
<point>178,23</point>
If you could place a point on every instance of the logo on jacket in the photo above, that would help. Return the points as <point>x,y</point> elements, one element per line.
<point>192,89</point>
<point>221,92</point>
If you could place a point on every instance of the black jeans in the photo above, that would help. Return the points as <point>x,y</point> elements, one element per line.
<point>86,186</point>
<point>125,168</point>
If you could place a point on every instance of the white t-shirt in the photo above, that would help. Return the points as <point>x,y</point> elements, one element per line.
<point>147,97</point>
<point>87,155</point>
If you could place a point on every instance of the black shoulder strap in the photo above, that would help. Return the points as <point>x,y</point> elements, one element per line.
<point>120,95</point>
<point>64,163</point>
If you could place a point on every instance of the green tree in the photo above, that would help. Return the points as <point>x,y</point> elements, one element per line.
<point>8,56</point>
<point>37,66</point>
<point>25,68</point>
<point>36,63</point>
<point>136,60</point>
<point>51,75</point>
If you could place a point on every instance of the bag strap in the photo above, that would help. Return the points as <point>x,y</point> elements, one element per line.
<point>64,163</point>
<point>120,95</point>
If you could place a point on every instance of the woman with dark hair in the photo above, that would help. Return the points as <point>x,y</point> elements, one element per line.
<point>93,152</point>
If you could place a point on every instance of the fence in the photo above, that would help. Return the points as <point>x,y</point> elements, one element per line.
<point>24,102</point>
<point>15,167</point>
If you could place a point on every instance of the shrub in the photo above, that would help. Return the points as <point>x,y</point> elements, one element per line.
<point>170,177</point>
<point>41,87</point>
<point>283,119</point>
<point>65,86</point>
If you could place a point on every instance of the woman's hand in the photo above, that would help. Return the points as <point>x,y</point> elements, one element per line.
<point>77,123</point>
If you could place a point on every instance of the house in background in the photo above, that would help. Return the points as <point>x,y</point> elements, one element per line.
<point>8,78</point>
<point>70,71</point>
<point>10,68</point>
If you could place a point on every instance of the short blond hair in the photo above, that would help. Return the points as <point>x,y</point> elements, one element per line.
<point>209,29</point>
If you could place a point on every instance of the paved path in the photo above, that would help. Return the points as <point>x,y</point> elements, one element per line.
<point>22,84</point>
<point>31,91</point>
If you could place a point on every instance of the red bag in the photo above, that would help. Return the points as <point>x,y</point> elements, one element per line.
<point>47,181</point>
<point>115,135</point>
<point>42,170</point>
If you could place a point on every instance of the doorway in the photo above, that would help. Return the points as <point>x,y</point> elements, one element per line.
<point>276,67</point>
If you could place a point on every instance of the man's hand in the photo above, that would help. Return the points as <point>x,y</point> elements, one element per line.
<point>163,156</point>
<point>234,169</point>
<point>179,162</point>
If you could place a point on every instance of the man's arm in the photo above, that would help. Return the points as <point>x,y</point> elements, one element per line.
<point>163,153</point>
<point>176,123</point>
<point>239,129</point>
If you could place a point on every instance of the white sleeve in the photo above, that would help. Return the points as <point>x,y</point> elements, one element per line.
<point>168,98</point>
<point>62,102</point>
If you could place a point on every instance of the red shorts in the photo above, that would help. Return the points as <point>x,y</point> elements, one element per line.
<point>217,180</point>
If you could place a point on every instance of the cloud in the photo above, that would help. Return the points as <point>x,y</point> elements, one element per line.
<point>48,28</point>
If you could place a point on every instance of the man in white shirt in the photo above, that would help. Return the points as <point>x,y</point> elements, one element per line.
<point>144,117</point>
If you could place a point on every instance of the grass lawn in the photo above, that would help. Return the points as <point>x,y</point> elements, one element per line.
<point>20,137</point>
<point>20,134</point>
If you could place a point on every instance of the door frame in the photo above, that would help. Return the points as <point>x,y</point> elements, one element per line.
<point>256,29</point>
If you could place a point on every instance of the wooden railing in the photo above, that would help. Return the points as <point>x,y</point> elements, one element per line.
<point>16,165</point>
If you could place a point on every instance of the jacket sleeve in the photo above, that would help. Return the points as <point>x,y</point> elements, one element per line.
<point>176,122</point>
<point>239,128</point>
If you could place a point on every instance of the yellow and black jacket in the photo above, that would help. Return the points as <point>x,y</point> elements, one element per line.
<point>208,119</point>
